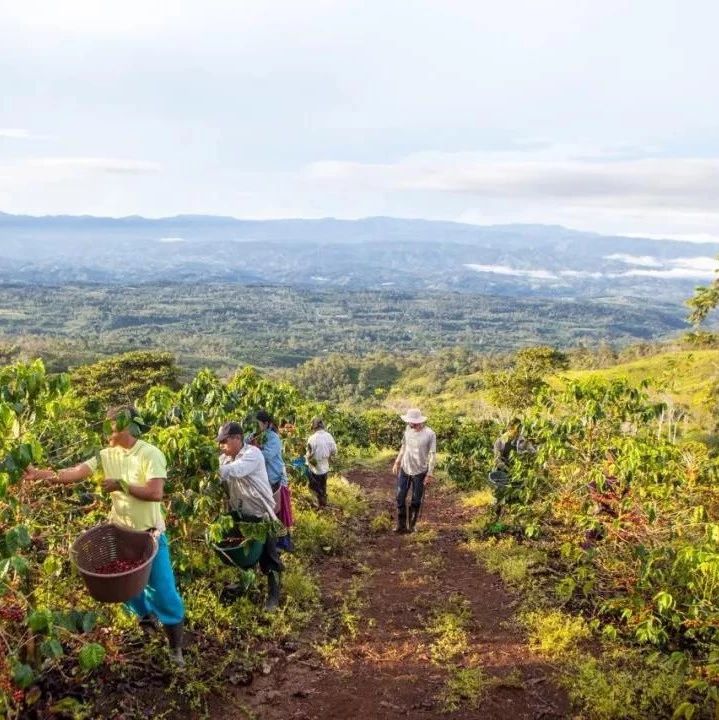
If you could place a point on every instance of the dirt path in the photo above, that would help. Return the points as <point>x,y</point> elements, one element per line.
<point>386,655</point>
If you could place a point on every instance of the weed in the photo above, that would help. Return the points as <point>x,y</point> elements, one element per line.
<point>424,536</point>
<point>465,686</point>
<point>346,495</point>
<point>553,633</point>
<point>476,527</point>
<point>508,558</point>
<point>381,523</point>
<point>316,533</point>
<point>299,586</point>
<point>332,652</point>
<point>478,499</point>
<point>433,563</point>
<point>449,630</point>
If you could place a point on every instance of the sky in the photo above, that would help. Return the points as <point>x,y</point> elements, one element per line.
<point>600,116</point>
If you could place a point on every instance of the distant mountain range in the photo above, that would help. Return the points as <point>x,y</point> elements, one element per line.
<point>373,253</point>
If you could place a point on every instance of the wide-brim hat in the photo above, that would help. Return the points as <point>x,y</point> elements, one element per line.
<point>413,416</point>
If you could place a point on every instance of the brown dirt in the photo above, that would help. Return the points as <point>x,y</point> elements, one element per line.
<point>385,669</point>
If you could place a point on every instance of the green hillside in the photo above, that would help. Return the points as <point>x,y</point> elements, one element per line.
<point>683,378</point>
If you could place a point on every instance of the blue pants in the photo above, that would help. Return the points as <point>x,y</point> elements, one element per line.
<point>403,483</point>
<point>160,597</point>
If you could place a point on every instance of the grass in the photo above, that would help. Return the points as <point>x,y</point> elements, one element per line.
<point>424,536</point>
<point>449,629</point>
<point>346,496</point>
<point>464,687</point>
<point>623,685</point>
<point>381,523</point>
<point>345,623</point>
<point>367,459</point>
<point>505,556</point>
<point>479,499</point>
<point>317,533</point>
<point>553,633</point>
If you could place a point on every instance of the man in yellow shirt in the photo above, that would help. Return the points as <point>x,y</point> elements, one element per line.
<point>134,475</point>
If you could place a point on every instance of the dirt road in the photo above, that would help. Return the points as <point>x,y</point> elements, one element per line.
<point>412,627</point>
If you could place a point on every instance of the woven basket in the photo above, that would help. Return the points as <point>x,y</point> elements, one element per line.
<point>104,544</point>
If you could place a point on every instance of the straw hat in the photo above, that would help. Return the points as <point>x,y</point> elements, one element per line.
<point>413,417</point>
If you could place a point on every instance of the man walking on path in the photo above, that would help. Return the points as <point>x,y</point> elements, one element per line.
<point>414,466</point>
<point>321,447</point>
<point>134,476</point>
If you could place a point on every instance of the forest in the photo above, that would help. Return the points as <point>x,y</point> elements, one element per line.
<point>222,326</point>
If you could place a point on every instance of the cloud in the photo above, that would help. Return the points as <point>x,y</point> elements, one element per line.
<point>690,183</point>
<point>506,270</point>
<point>15,133</point>
<point>689,268</point>
<point>172,240</point>
<point>672,274</point>
<point>643,260</point>
<point>94,164</point>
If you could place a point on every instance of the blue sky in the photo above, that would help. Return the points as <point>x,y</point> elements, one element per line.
<point>597,115</point>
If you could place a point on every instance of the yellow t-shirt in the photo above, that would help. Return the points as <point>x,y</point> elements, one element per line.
<point>135,466</point>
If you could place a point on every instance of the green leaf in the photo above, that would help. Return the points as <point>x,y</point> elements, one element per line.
<point>20,564</point>
<point>89,620</point>
<point>69,706</point>
<point>22,675</point>
<point>39,620</point>
<point>91,656</point>
<point>52,648</point>
<point>684,711</point>
<point>17,538</point>
<point>52,565</point>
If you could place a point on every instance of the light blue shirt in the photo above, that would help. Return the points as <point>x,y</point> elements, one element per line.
<point>272,450</point>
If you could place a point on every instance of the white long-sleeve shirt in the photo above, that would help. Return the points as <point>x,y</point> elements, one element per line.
<point>321,447</point>
<point>247,483</point>
<point>418,452</point>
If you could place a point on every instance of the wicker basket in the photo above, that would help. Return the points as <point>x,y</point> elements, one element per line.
<point>104,544</point>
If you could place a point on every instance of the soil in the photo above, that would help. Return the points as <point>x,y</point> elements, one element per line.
<point>385,668</point>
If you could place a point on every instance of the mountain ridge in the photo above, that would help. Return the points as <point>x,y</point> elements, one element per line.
<point>371,253</point>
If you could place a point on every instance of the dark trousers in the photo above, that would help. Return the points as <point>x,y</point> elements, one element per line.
<point>404,482</point>
<point>318,485</point>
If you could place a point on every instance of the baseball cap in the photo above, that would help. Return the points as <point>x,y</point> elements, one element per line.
<point>228,429</point>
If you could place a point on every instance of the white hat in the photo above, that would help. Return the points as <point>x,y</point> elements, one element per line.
<point>413,417</point>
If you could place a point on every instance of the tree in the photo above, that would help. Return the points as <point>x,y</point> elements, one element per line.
<point>124,378</point>
<point>704,300</point>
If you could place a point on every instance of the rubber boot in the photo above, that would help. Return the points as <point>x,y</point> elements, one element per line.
<point>148,625</point>
<point>413,515</point>
<point>273,591</point>
<point>174,636</point>
<point>401,520</point>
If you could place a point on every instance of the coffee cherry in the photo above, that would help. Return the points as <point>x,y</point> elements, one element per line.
<point>116,567</point>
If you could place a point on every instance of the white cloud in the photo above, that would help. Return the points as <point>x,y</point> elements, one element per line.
<point>581,274</point>
<point>643,260</point>
<point>690,183</point>
<point>14,133</point>
<point>172,240</point>
<point>690,268</point>
<point>506,270</point>
<point>702,264</point>
<point>671,274</point>
<point>94,164</point>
